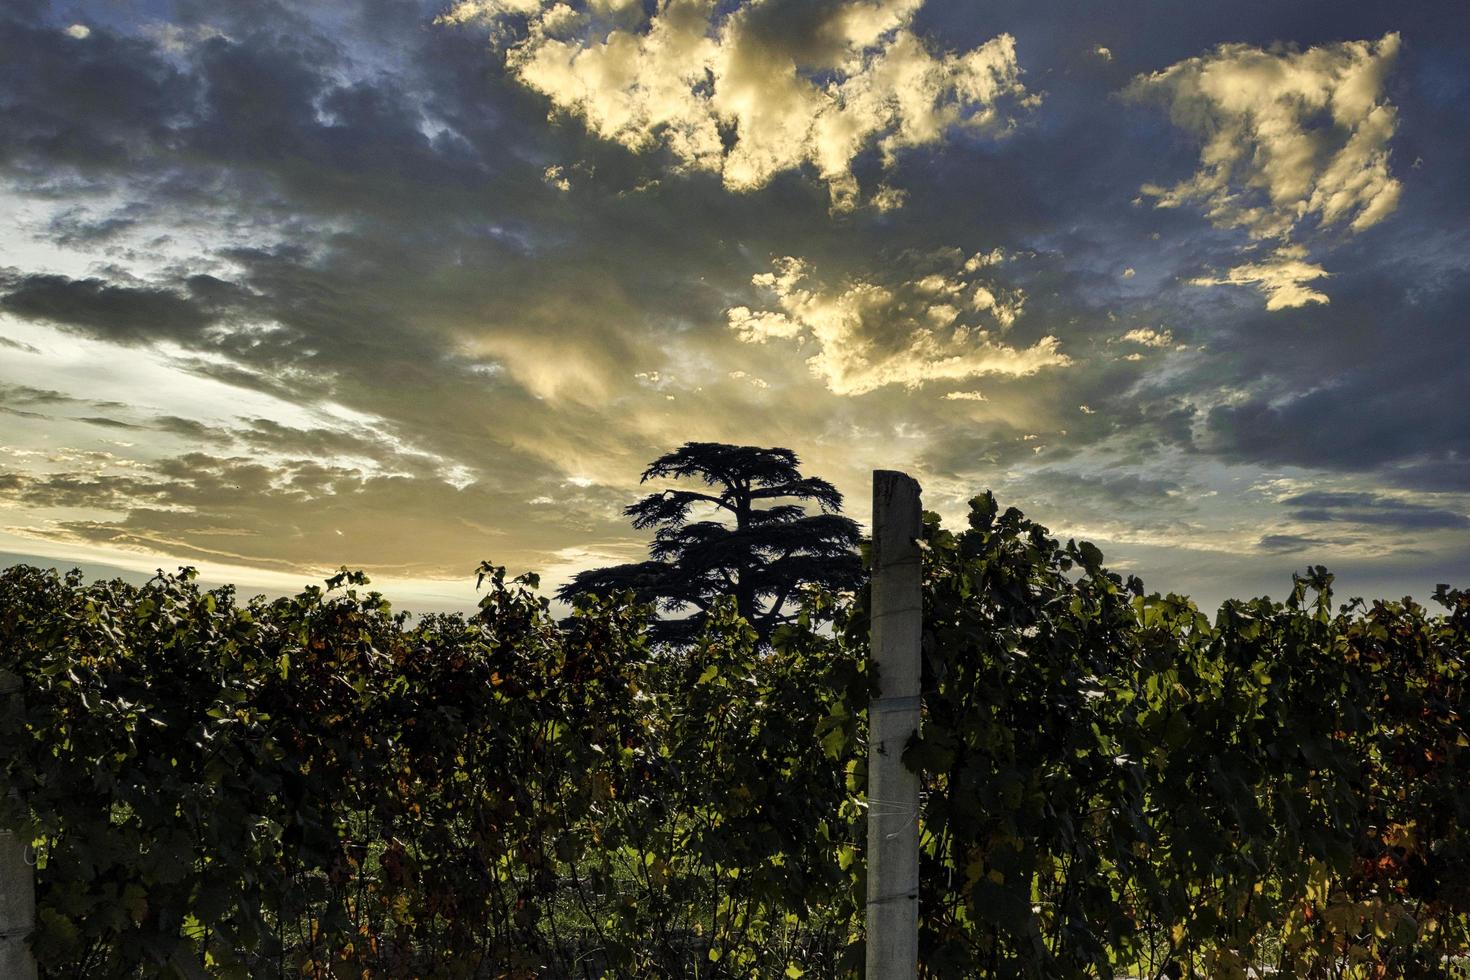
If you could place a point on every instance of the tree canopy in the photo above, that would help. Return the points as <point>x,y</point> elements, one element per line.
<point>747,533</point>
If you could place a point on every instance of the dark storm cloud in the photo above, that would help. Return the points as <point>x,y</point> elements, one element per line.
<point>94,104</point>
<point>19,345</point>
<point>12,395</point>
<point>72,490</point>
<point>76,227</point>
<point>1443,471</point>
<point>107,423</point>
<point>189,428</point>
<point>271,104</point>
<point>122,314</point>
<point>1286,542</point>
<point>1372,509</point>
<point>1125,489</point>
<point>361,444</point>
<point>15,394</point>
<point>266,433</point>
<point>1370,383</point>
<point>958,453</point>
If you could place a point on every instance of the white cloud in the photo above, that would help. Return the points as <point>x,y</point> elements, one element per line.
<point>1129,272</point>
<point>867,335</point>
<point>1105,54</point>
<point>887,199</point>
<point>177,39</point>
<point>79,31</point>
<point>1293,141</point>
<point>1149,337</point>
<point>1282,277</point>
<point>1288,134</point>
<point>750,379</point>
<point>467,11</point>
<point>966,396</point>
<point>982,259</point>
<point>789,85</point>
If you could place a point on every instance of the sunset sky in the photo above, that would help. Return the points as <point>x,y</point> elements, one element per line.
<point>403,286</point>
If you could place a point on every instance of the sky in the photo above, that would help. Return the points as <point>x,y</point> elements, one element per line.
<point>408,285</point>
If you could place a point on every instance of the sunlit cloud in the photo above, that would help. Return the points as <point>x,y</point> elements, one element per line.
<point>943,326</point>
<point>764,88</point>
<point>1292,141</point>
<point>1149,337</point>
<point>1282,276</point>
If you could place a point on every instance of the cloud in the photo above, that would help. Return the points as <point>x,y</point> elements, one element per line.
<point>19,345</point>
<point>84,101</point>
<point>1286,542</point>
<point>20,394</point>
<point>123,314</point>
<point>1354,507</point>
<point>770,86</point>
<point>1282,276</point>
<point>1359,402</point>
<point>307,515</point>
<point>1149,337</point>
<point>868,335</point>
<point>374,201</point>
<point>750,379</point>
<point>108,423</point>
<point>179,39</point>
<point>1444,471</point>
<point>1292,141</point>
<point>1287,134</point>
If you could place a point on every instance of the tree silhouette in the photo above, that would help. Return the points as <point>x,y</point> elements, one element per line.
<point>758,554</point>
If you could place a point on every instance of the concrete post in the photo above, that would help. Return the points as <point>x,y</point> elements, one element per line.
<point>17,879</point>
<point>893,717</point>
<point>17,908</point>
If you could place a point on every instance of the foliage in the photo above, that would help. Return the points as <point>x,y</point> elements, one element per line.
<point>762,556</point>
<point>313,787</point>
<point>1114,783</point>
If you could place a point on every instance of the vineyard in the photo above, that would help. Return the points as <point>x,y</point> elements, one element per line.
<point>1114,783</point>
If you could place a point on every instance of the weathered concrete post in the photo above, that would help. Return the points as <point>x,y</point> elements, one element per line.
<point>893,716</point>
<point>17,909</point>
<point>17,880</point>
